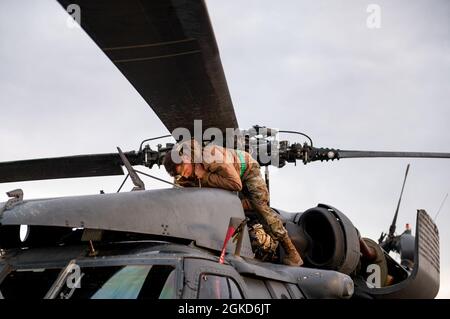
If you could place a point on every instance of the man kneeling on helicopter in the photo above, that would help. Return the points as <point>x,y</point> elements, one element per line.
<point>234,170</point>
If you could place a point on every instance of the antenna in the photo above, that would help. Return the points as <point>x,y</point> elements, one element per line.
<point>442,204</point>
<point>394,221</point>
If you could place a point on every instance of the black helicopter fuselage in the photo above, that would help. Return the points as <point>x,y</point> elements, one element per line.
<point>174,236</point>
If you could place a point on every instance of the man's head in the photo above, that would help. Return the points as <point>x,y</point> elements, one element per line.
<point>179,161</point>
<point>175,168</point>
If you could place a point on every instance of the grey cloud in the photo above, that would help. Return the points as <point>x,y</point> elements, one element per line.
<point>302,65</point>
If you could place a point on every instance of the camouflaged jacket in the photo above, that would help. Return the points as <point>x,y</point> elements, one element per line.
<point>223,165</point>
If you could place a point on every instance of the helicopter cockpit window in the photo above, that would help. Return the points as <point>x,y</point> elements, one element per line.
<point>123,282</point>
<point>257,288</point>
<point>217,287</point>
<point>28,283</point>
<point>277,289</point>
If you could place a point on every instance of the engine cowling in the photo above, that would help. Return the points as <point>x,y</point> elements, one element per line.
<point>326,239</point>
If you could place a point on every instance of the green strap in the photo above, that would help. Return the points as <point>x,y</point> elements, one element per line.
<point>242,160</point>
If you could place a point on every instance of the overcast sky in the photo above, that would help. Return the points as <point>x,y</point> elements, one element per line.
<point>312,66</point>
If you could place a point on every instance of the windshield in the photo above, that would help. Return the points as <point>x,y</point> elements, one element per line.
<point>103,282</point>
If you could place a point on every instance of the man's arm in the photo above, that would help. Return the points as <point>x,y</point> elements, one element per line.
<point>222,176</point>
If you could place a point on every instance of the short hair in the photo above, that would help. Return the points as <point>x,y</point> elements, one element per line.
<point>169,164</point>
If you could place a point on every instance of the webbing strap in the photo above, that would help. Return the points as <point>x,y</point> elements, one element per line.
<point>242,160</point>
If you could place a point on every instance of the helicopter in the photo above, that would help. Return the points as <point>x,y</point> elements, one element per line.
<point>183,246</point>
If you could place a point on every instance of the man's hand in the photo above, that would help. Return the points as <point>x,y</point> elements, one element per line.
<point>185,182</point>
<point>199,171</point>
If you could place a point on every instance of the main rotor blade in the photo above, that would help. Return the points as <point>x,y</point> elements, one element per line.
<point>64,167</point>
<point>364,154</point>
<point>308,154</point>
<point>167,50</point>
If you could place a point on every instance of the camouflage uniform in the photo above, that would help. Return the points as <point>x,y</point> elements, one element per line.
<point>255,191</point>
<point>263,245</point>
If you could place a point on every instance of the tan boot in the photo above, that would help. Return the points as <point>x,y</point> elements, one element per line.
<point>292,257</point>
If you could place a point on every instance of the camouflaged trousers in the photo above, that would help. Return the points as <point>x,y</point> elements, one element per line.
<point>255,190</point>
